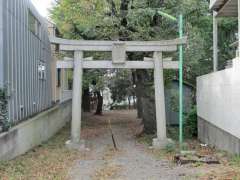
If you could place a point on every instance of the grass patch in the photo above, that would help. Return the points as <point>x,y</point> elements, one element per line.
<point>146,139</point>
<point>50,160</point>
<point>109,171</point>
<point>163,154</point>
<point>167,153</point>
<point>235,160</point>
<point>173,132</point>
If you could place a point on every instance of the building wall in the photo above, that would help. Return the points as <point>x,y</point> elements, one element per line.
<point>171,91</point>
<point>1,43</point>
<point>23,51</point>
<point>52,31</point>
<point>218,99</point>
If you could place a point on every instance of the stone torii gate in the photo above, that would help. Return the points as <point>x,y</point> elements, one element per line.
<point>118,49</point>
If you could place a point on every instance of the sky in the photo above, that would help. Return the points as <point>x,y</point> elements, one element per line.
<point>42,6</point>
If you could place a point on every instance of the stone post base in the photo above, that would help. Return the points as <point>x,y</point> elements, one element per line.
<point>76,146</point>
<point>161,143</point>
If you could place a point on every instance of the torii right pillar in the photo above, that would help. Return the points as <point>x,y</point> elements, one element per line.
<point>161,141</point>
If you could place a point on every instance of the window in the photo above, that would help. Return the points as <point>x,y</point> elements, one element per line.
<point>33,24</point>
<point>58,77</point>
<point>42,71</point>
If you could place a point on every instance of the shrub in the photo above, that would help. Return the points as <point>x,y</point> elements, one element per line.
<point>4,124</point>
<point>191,123</point>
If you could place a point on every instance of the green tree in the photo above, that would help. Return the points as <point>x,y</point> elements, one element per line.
<point>121,86</point>
<point>4,124</point>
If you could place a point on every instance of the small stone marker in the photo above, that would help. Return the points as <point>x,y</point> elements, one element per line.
<point>119,53</point>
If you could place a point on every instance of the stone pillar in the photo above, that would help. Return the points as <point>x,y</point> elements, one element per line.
<point>215,42</point>
<point>161,140</point>
<point>76,102</point>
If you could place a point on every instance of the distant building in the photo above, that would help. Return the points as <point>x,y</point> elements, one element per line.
<point>171,100</point>
<point>25,59</point>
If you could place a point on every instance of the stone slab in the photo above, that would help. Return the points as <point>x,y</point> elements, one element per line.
<point>76,146</point>
<point>161,143</point>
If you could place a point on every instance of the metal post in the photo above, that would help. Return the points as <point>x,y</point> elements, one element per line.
<point>181,81</point>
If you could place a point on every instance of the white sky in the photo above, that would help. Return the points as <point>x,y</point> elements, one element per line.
<point>42,6</point>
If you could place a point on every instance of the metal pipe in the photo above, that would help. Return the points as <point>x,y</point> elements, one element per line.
<point>180,81</point>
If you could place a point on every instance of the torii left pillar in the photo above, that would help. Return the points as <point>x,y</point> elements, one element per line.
<point>161,141</point>
<point>76,142</point>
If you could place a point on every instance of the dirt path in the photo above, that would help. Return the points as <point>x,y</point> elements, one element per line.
<point>53,161</point>
<point>131,161</point>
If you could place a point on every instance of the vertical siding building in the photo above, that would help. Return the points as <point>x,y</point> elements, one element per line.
<point>25,59</point>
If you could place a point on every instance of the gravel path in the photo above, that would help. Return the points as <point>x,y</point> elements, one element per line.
<point>131,161</point>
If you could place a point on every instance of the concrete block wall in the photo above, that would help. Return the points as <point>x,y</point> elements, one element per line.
<point>34,131</point>
<point>216,137</point>
<point>218,102</point>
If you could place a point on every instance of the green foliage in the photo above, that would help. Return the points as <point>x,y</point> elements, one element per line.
<point>146,139</point>
<point>170,147</point>
<point>173,132</point>
<point>3,111</point>
<point>235,160</point>
<point>121,85</point>
<point>94,77</point>
<point>77,19</point>
<point>96,19</point>
<point>191,123</point>
<point>190,126</point>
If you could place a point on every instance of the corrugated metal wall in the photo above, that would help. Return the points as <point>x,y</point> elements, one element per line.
<point>1,44</point>
<point>23,51</point>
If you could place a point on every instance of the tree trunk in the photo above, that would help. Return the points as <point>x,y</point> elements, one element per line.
<point>123,33</point>
<point>149,115</point>
<point>134,102</point>
<point>124,12</point>
<point>113,7</point>
<point>145,100</point>
<point>86,100</point>
<point>129,102</point>
<point>99,103</point>
<point>139,92</point>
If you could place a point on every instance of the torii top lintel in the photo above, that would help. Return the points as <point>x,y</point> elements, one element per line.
<point>130,46</point>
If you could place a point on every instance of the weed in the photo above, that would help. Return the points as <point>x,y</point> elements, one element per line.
<point>235,160</point>
<point>146,139</point>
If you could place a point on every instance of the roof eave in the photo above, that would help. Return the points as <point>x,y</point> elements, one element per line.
<point>216,4</point>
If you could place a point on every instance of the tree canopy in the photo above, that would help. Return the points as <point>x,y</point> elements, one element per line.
<point>140,20</point>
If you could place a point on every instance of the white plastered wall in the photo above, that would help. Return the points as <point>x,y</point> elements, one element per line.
<point>218,98</point>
